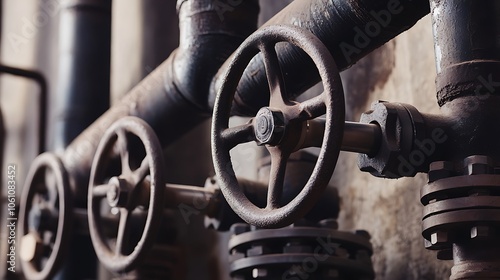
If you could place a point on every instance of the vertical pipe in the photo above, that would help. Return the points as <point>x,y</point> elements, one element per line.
<point>467,46</point>
<point>84,68</point>
<point>82,95</point>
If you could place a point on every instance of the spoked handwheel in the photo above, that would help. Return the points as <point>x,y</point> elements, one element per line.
<point>128,153</point>
<point>282,126</point>
<point>45,217</point>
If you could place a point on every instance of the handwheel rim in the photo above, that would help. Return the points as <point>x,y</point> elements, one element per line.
<point>330,147</point>
<point>112,260</point>
<point>63,233</point>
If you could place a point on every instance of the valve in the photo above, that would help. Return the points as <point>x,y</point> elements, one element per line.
<point>281,127</point>
<point>45,218</point>
<point>131,188</point>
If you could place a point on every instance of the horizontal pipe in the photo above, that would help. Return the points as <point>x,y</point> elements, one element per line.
<point>362,138</point>
<point>349,29</point>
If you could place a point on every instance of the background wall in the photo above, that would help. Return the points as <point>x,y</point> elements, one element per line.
<point>403,70</point>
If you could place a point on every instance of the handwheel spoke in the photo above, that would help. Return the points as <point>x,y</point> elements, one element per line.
<point>311,108</point>
<point>122,144</point>
<point>123,232</point>
<point>276,178</point>
<point>140,173</point>
<point>101,190</point>
<point>274,75</point>
<point>238,135</point>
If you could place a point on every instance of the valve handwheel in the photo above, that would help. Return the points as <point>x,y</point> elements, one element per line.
<point>280,127</point>
<point>125,190</point>
<point>45,218</point>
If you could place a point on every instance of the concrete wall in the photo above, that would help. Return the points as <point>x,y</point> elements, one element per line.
<point>403,70</point>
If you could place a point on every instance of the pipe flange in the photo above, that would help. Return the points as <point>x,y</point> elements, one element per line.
<point>461,202</point>
<point>293,252</point>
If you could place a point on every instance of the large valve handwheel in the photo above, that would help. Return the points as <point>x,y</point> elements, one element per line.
<point>281,127</point>
<point>126,192</point>
<point>45,218</point>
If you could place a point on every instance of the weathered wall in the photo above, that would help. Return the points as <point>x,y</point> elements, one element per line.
<point>403,70</point>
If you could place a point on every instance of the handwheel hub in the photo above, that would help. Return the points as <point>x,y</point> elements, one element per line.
<point>117,195</point>
<point>269,126</point>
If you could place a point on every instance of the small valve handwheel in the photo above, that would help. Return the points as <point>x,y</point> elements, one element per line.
<point>45,218</point>
<point>124,190</point>
<point>281,127</point>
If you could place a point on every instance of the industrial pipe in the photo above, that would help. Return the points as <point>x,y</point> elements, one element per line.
<point>168,98</point>
<point>83,82</point>
<point>349,29</point>
<point>467,48</point>
<point>175,97</point>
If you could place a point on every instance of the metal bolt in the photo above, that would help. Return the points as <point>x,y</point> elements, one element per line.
<point>257,250</point>
<point>269,126</point>
<point>478,164</point>
<point>427,243</point>
<point>439,170</point>
<point>240,228</point>
<point>480,231</point>
<point>439,237</point>
<point>118,194</point>
<point>259,272</point>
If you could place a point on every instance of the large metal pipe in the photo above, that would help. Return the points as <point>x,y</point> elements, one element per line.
<point>175,97</point>
<point>349,29</point>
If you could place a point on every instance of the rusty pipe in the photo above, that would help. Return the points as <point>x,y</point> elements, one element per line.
<point>169,98</point>
<point>349,29</point>
<point>467,48</point>
<point>184,88</point>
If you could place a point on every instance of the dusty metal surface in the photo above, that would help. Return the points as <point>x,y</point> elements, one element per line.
<point>284,117</point>
<point>124,188</point>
